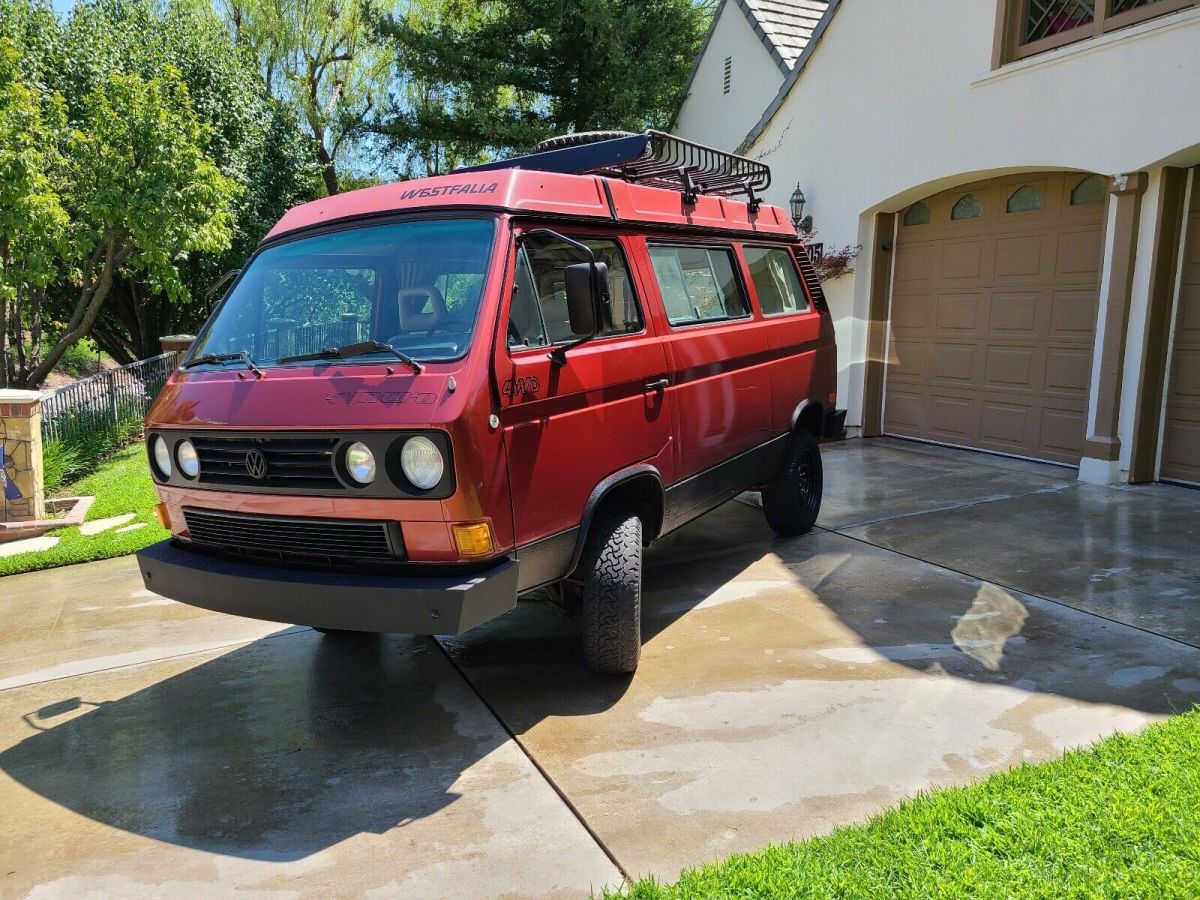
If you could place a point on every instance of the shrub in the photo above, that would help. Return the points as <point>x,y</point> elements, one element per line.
<point>79,359</point>
<point>59,461</point>
<point>80,452</point>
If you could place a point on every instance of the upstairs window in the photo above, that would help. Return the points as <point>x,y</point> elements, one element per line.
<point>1028,27</point>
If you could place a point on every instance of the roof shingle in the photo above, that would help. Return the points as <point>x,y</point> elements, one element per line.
<point>784,25</point>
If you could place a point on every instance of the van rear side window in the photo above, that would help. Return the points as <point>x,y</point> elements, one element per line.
<point>773,272</point>
<point>539,306</point>
<point>698,284</point>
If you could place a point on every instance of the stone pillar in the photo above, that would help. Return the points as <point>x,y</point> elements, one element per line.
<point>178,344</point>
<point>1102,445</point>
<point>21,456</point>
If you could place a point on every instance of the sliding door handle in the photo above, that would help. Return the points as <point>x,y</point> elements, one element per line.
<point>657,384</point>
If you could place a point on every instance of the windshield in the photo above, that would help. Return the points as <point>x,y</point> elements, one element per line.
<point>414,285</point>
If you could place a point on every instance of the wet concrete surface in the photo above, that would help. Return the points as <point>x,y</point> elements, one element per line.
<point>935,628</point>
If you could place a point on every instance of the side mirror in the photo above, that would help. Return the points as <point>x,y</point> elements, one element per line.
<point>587,284</point>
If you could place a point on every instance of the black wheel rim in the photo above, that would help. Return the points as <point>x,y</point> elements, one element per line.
<point>808,480</point>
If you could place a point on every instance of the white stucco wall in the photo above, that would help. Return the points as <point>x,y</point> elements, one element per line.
<point>722,120</point>
<point>899,101</point>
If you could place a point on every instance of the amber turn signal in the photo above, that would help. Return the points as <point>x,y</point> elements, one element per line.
<point>473,540</point>
<point>164,519</point>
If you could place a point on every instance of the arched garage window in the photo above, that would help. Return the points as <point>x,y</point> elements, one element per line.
<point>967,207</point>
<point>918,214</point>
<point>1091,190</point>
<point>1025,199</point>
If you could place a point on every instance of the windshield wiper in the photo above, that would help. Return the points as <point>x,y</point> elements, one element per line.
<point>207,358</point>
<point>360,349</point>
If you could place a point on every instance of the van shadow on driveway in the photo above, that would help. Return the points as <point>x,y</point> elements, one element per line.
<point>786,687</point>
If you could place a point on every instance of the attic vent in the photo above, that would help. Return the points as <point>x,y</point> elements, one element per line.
<point>728,74</point>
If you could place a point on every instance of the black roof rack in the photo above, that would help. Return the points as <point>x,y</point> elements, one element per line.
<point>653,158</point>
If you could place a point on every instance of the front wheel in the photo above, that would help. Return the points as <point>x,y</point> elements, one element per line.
<point>792,498</point>
<point>611,571</point>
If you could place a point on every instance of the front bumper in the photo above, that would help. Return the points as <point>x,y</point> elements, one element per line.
<point>435,604</point>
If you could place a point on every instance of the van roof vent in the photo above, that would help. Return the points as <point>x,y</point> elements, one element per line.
<point>653,158</point>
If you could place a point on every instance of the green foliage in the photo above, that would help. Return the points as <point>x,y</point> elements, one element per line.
<point>1117,820</point>
<point>59,461</point>
<point>121,485</point>
<point>85,448</point>
<point>79,358</point>
<point>504,75</point>
<point>320,58</point>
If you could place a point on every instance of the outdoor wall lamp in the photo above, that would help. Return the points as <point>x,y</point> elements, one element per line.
<point>802,222</point>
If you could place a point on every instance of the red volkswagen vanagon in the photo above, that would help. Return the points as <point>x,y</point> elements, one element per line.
<point>420,401</point>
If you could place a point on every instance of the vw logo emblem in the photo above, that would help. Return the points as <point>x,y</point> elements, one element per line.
<point>256,464</point>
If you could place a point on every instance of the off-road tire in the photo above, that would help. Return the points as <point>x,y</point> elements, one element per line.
<point>792,498</point>
<point>578,138</point>
<point>611,571</point>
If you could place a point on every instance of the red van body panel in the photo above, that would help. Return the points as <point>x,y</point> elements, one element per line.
<point>697,413</point>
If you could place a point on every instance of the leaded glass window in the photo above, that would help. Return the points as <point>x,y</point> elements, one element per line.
<point>1025,199</point>
<point>967,207</point>
<point>918,214</point>
<point>1091,190</point>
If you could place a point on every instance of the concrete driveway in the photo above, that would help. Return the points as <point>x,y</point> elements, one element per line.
<point>955,614</point>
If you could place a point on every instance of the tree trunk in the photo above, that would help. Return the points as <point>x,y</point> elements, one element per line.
<point>327,170</point>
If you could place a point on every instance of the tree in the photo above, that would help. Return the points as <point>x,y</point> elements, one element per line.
<point>33,223</point>
<point>253,139</point>
<point>320,57</point>
<point>513,72</point>
<point>142,193</point>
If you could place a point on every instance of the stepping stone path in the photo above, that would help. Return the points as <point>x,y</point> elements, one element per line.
<point>98,525</point>
<point>128,528</point>
<point>29,545</point>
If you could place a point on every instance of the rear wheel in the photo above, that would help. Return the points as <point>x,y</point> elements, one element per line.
<point>792,498</point>
<point>611,600</point>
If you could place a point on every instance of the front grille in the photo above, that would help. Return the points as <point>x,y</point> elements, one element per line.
<point>286,462</point>
<point>317,541</point>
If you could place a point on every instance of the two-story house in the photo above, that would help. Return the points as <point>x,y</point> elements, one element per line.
<point>1021,177</point>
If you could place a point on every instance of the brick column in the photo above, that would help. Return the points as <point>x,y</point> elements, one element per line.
<point>177,344</point>
<point>21,456</point>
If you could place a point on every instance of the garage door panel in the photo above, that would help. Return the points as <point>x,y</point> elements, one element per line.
<point>1068,371</point>
<point>1019,258</point>
<point>909,360</point>
<point>1189,311</point>
<point>952,419</point>
<point>1062,433</point>
<point>954,363</point>
<point>1073,315</point>
<point>959,313</point>
<point>1185,375</point>
<point>1011,368</point>
<point>913,312</point>
<point>1079,254</point>
<point>1014,315</point>
<point>1007,426</point>
<point>964,261</point>
<point>994,331</point>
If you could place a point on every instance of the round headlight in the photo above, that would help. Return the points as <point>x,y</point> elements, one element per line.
<point>360,462</point>
<point>162,456</point>
<point>186,456</point>
<point>422,462</point>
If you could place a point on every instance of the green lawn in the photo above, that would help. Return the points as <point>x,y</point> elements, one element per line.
<point>1121,819</point>
<point>121,485</point>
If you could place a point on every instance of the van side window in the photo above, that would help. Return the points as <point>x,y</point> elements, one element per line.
<point>773,272</point>
<point>698,284</point>
<point>539,305</point>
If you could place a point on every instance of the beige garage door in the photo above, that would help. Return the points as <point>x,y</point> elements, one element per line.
<point>993,311</point>
<point>1181,432</point>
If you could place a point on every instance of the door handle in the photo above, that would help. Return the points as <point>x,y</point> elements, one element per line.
<point>657,384</point>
